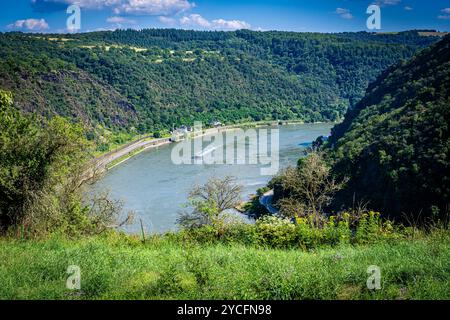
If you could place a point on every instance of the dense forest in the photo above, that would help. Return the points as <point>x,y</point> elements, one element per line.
<point>150,80</point>
<point>395,144</point>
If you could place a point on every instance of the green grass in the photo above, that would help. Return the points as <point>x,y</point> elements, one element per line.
<point>121,267</point>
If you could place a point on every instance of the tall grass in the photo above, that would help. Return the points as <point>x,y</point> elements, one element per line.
<point>117,266</point>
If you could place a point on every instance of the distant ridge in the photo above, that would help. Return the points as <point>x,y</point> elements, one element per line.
<point>159,78</point>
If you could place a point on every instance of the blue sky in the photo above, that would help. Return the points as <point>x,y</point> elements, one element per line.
<point>293,15</point>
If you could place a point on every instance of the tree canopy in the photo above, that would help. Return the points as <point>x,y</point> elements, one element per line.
<point>394,144</point>
<point>153,79</point>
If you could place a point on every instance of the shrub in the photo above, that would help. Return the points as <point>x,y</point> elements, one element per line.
<point>157,135</point>
<point>41,174</point>
<point>41,164</point>
<point>275,232</point>
<point>204,235</point>
<point>372,228</point>
<point>241,233</point>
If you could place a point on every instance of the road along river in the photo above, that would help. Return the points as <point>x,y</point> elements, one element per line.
<point>156,188</point>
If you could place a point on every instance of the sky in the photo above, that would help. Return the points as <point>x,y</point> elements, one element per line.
<point>50,16</point>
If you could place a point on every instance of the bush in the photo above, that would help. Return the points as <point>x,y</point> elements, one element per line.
<point>372,228</point>
<point>41,174</point>
<point>240,233</point>
<point>157,135</point>
<point>275,232</point>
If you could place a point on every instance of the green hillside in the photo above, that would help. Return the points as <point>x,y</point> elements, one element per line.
<point>153,79</point>
<point>394,145</point>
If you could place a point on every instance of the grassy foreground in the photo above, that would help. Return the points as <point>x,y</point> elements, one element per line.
<point>117,266</point>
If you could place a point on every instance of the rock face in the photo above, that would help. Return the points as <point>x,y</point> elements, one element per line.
<point>73,94</point>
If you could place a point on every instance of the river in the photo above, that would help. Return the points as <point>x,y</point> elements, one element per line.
<point>156,189</point>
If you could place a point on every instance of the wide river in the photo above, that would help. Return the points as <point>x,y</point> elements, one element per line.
<point>156,189</point>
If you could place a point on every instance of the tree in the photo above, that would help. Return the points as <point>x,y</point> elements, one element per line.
<point>41,167</point>
<point>395,143</point>
<point>210,202</point>
<point>307,189</point>
<point>181,75</point>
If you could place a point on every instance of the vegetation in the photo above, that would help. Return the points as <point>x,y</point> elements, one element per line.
<point>272,259</point>
<point>117,266</point>
<point>390,154</point>
<point>394,145</point>
<point>149,80</point>
<point>38,167</point>
<point>41,168</point>
<point>307,190</point>
<point>210,203</point>
<point>391,149</point>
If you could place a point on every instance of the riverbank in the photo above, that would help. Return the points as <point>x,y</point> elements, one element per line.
<point>130,149</point>
<point>121,154</point>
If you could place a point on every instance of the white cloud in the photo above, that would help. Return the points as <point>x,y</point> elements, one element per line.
<point>446,15</point>
<point>167,20</point>
<point>344,13</point>
<point>120,20</point>
<point>196,20</point>
<point>30,24</point>
<point>230,24</point>
<point>408,8</point>
<point>86,4</point>
<point>384,3</point>
<point>131,7</point>
<point>153,7</point>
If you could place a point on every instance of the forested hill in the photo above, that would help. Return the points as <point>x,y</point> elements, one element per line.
<point>153,79</point>
<point>395,145</point>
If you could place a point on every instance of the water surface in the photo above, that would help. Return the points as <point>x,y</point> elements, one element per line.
<point>156,189</point>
